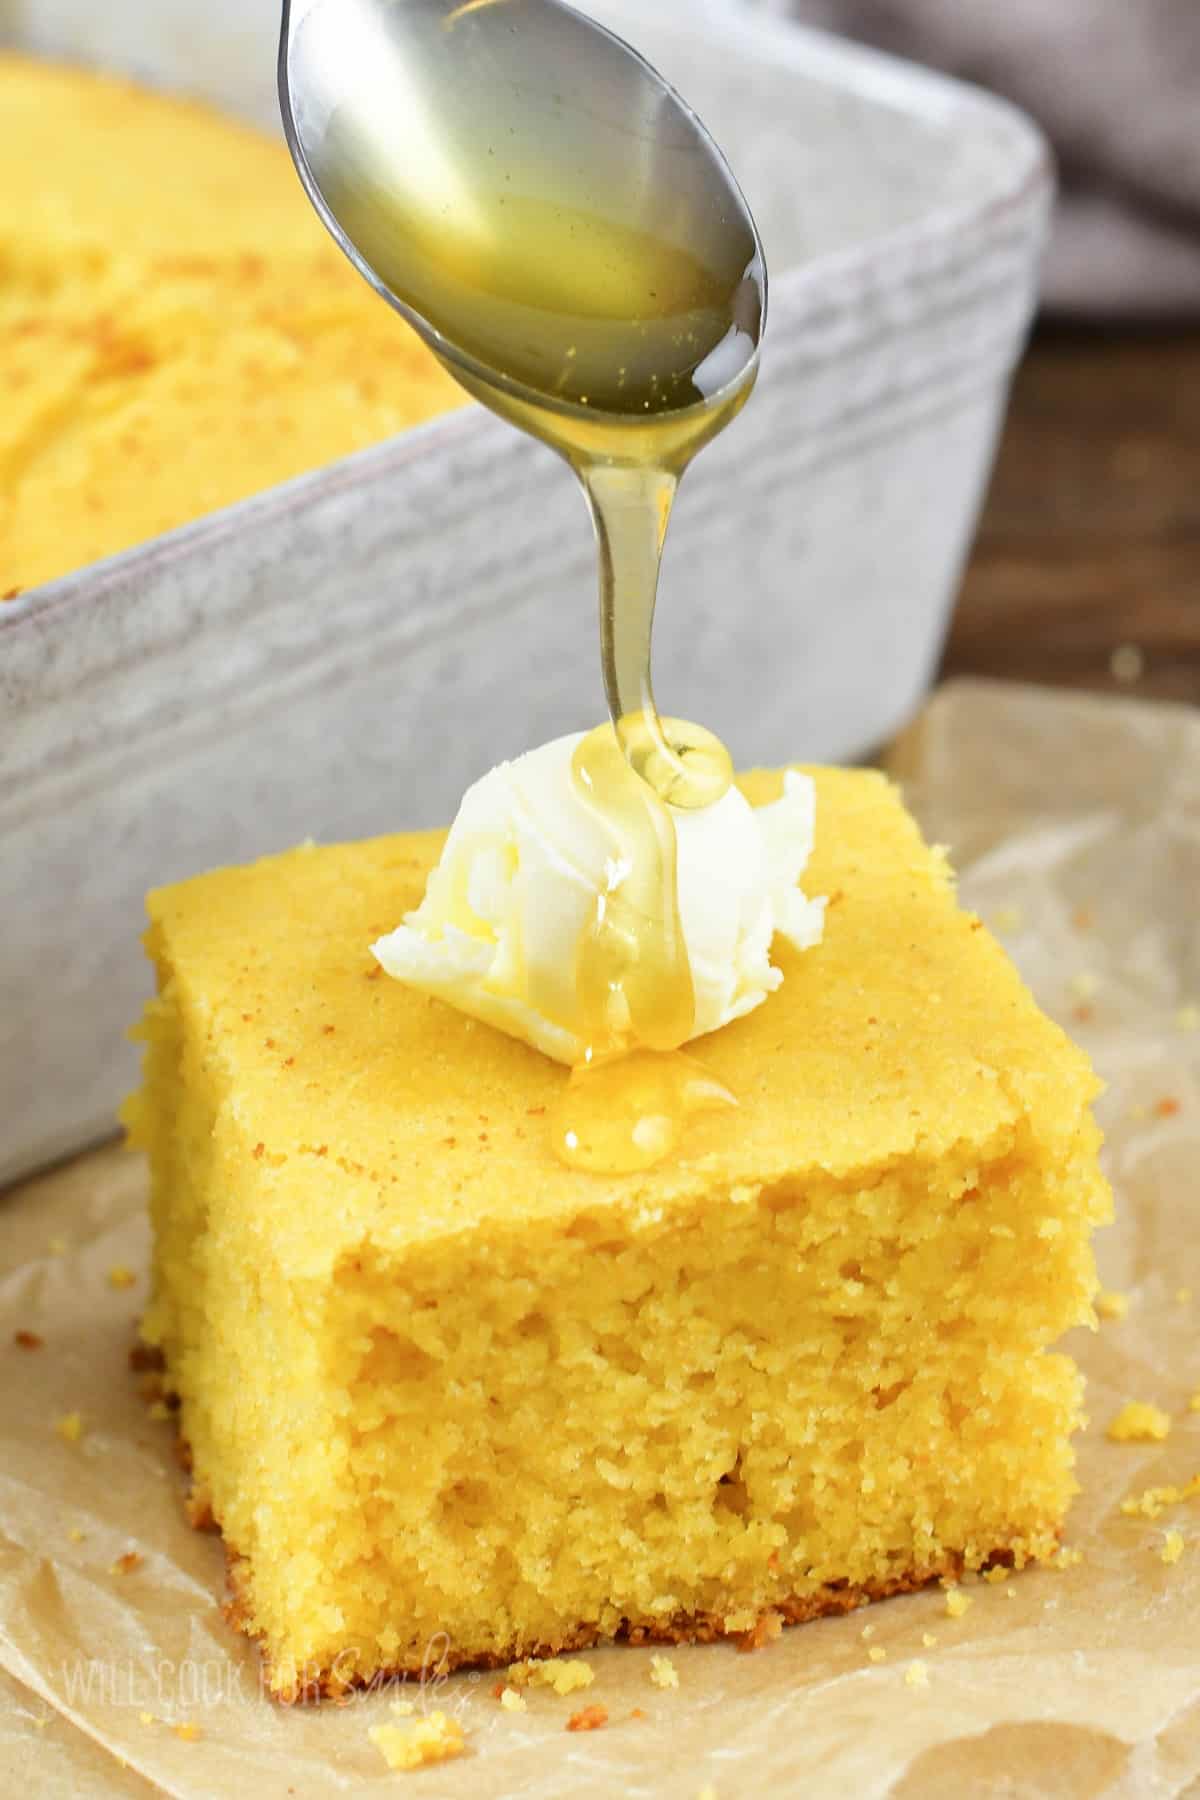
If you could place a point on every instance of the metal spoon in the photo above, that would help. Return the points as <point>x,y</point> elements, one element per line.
<point>502,171</point>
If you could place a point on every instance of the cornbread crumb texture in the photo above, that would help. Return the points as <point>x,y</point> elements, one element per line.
<point>1139,1422</point>
<point>957,1603</point>
<point>917,1674</point>
<point>169,345</point>
<point>663,1672</point>
<point>435,1739</point>
<point>1172,1548</point>
<point>511,1700</point>
<point>535,1408</point>
<point>1112,1305</point>
<point>69,1426</point>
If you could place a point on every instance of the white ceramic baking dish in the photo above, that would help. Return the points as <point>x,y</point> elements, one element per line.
<point>343,654</point>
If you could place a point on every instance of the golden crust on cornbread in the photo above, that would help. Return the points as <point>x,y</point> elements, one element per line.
<point>177,330</point>
<point>449,1400</point>
<point>311,1684</point>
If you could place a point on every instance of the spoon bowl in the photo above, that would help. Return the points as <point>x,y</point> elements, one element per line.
<point>532,196</point>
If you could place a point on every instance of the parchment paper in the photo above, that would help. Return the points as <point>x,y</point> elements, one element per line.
<point>1076,825</point>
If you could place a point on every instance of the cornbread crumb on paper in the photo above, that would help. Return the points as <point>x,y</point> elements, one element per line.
<point>589,1718</point>
<point>125,1565</point>
<point>189,1731</point>
<point>1153,1501</point>
<point>1182,1296</point>
<point>877,1653</point>
<point>1140,1422</point>
<point>565,1677</point>
<point>69,1426</point>
<point>663,1672</point>
<point>1172,1548</point>
<point>121,1276</point>
<point>75,1535</point>
<point>1194,1402</point>
<point>511,1700</point>
<point>957,1603</point>
<point>435,1739</point>
<point>916,1674</point>
<point>145,1718</point>
<point>28,1340</point>
<point>928,1640</point>
<point>1111,1305</point>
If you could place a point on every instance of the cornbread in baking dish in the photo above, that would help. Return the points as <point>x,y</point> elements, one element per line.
<point>176,329</point>
<point>439,1388</point>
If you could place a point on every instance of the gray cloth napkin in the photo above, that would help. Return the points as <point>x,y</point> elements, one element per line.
<point>1115,84</point>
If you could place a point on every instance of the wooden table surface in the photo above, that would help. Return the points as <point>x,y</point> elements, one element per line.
<point>1090,540</point>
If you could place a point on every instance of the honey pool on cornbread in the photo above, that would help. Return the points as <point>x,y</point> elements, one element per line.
<point>433,1381</point>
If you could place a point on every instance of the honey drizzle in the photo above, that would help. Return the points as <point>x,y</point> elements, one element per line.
<point>620,325</point>
<point>619,1117</point>
<point>633,978</point>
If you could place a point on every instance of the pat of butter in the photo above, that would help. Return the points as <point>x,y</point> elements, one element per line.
<point>518,880</point>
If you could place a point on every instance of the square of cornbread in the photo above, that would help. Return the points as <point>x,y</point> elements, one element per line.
<point>447,1397</point>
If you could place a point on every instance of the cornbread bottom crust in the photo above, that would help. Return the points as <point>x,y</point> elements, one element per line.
<point>681,1628</point>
